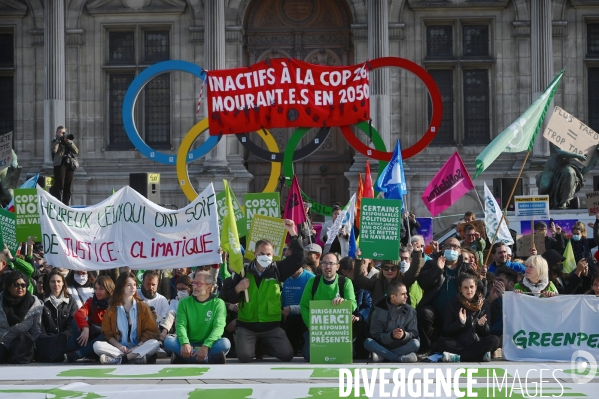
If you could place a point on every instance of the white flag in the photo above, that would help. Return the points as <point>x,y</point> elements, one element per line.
<point>492,218</point>
<point>345,220</point>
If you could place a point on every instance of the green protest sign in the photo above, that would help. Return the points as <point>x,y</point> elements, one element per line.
<point>239,214</point>
<point>27,217</point>
<point>264,227</point>
<point>7,230</point>
<point>265,204</point>
<point>330,332</point>
<point>380,227</point>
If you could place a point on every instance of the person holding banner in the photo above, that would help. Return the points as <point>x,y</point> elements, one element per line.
<point>466,331</point>
<point>129,327</point>
<point>341,242</point>
<point>536,279</point>
<point>259,320</point>
<point>327,287</point>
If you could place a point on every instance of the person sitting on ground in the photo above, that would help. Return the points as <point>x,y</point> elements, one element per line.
<point>9,264</point>
<point>293,288</point>
<point>201,321</point>
<point>87,323</point>
<point>505,280</point>
<point>499,254</point>
<point>466,332</point>
<point>39,287</point>
<point>148,293</point>
<point>259,320</point>
<point>129,327</point>
<point>81,286</point>
<point>185,271</point>
<point>536,279</point>
<point>473,241</point>
<point>438,280</point>
<point>393,327</point>
<point>329,286</point>
<point>20,320</point>
<point>556,241</point>
<point>59,307</point>
<point>183,289</point>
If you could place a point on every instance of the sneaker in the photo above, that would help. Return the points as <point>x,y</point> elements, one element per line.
<point>409,358</point>
<point>219,358</point>
<point>376,358</point>
<point>70,357</point>
<point>139,360</point>
<point>450,357</point>
<point>487,357</point>
<point>422,357</point>
<point>107,359</point>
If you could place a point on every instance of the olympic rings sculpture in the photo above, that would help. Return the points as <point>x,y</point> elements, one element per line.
<point>273,154</point>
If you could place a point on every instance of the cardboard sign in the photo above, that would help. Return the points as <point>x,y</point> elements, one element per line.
<point>265,204</point>
<point>27,214</point>
<point>380,224</point>
<point>531,207</point>
<point>570,134</point>
<point>7,228</point>
<point>264,227</point>
<point>593,203</point>
<point>524,245</point>
<point>5,149</point>
<point>239,214</point>
<point>479,225</point>
<point>330,333</point>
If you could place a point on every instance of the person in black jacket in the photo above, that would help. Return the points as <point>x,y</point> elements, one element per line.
<point>438,280</point>
<point>466,331</point>
<point>59,305</point>
<point>556,242</point>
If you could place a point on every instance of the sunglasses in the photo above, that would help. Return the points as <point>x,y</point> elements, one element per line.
<point>17,285</point>
<point>390,268</point>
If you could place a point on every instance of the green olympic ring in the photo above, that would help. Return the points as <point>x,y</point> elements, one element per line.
<point>292,144</point>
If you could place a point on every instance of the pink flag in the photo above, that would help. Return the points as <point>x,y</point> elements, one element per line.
<point>294,209</point>
<point>449,184</point>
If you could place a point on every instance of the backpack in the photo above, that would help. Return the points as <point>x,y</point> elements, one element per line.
<point>341,285</point>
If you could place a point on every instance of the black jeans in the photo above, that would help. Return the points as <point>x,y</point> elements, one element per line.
<point>430,326</point>
<point>294,329</point>
<point>63,180</point>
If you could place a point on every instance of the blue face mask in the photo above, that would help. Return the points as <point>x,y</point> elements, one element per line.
<point>576,237</point>
<point>451,255</point>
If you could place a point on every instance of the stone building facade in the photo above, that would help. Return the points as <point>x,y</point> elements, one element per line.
<point>69,62</point>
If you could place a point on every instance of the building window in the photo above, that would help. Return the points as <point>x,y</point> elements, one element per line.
<point>594,98</point>
<point>7,60</point>
<point>593,40</point>
<point>129,52</point>
<point>461,67</point>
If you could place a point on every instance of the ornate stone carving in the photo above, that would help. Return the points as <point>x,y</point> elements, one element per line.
<point>136,4</point>
<point>298,11</point>
<point>323,57</point>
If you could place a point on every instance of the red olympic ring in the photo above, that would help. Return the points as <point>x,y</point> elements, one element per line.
<point>433,127</point>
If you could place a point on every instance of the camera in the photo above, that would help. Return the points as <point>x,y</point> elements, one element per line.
<point>70,136</point>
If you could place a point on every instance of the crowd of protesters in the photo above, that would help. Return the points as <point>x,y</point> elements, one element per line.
<point>444,305</point>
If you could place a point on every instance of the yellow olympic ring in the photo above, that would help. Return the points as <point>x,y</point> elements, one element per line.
<point>195,132</point>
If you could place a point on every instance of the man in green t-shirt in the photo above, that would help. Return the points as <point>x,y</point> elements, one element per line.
<point>328,289</point>
<point>201,320</point>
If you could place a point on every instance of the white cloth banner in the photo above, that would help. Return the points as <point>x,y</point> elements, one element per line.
<point>345,220</point>
<point>561,328</point>
<point>492,218</point>
<point>127,229</point>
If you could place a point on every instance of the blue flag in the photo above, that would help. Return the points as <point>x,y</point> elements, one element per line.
<point>392,181</point>
<point>353,246</point>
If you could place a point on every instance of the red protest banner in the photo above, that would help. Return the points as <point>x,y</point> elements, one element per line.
<point>286,93</point>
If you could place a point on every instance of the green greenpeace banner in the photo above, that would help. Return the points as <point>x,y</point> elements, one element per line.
<point>380,227</point>
<point>264,227</point>
<point>27,214</point>
<point>330,333</point>
<point>7,230</point>
<point>265,204</point>
<point>222,212</point>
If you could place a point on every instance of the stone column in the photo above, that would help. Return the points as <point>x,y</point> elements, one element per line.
<point>54,65</point>
<point>214,58</point>
<point>541,61</point>
<point>378,46</point>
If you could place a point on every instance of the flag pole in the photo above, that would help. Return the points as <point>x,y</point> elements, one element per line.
<point>507,205</point>
<point>479,200</point>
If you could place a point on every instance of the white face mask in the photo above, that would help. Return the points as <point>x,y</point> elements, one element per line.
<point>80,278</point>
<point>264,260</point>
<point>404,266</point>
<point>182,294</point>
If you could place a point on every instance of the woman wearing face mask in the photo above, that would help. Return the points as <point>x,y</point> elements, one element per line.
<point>86,326</point>
<point>183,289</point>
<point>129,327</point>
<point>59,308</point>
<point>466,331</point>
<point>81,285</point>
<point>581,245</point>
<point>20,320</point>
<point>185,271</point>
<point>536,279</point>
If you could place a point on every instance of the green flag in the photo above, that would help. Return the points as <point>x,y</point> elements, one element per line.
<point>520,135</point>
<point>570,262</point>
<point>229,238</point>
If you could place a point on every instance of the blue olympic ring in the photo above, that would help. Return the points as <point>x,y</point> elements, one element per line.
<point>129,105</point>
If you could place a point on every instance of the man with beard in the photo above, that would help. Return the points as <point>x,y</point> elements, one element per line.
<point>148,293</point>
<point>313,253</point>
